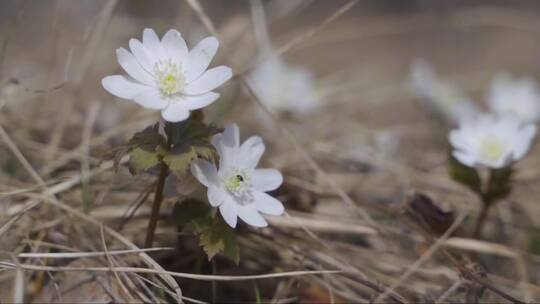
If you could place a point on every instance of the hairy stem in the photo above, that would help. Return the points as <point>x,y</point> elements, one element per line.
<point>158,198</point>
<point>158,194</point>
<point>481,220</point>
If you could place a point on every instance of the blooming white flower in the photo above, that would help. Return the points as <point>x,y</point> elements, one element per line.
<point>164,75</point>
<point>440,96</point>
<point>491,141</point>
<point>515,96</point>
<point>284,88</point>
<point>238,187</point>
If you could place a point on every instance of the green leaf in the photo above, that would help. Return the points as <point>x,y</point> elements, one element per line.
<point>219,238</point>
<point>148,139</point>
<point>211,243</point>
<point>190,210</point>
<point>190,139</point>
<point>464,175</point>
<point>231,246</point>
<point>144,149</point>
<point>141,160</point>
<point>215,236</point>
<point>500,184</point>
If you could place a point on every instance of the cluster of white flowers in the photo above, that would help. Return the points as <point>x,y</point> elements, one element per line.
<point>166,76</point>
<point>505,134</point>
<point>495,139</point>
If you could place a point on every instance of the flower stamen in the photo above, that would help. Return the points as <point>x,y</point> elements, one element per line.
<point>169,77</point>
<point>237,183</point>
<point>491,148</point>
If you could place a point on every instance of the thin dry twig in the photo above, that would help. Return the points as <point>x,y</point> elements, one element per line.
<point>112,265</point>
<point>200,277</point>
<point>76,255</point>
<point>425,256</point>
<point>145,257</point>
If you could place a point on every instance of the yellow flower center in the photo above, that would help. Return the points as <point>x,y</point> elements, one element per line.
<point>169,77</point>
<point>491,148</point>
<point>237,183</point>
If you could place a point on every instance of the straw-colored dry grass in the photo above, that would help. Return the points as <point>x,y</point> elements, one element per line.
<point>71,227</point>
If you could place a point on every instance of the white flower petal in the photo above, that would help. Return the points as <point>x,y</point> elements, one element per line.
<point>230,136</point>
<point>226,144</point>
<point>199,58</point>
<point>464,158</point>
<point>217,196</point>
<point>523,141</point>
<point>122,86</point>
<point>225,154</point>
<point>266,179</point>
<point>250,215</point>
<point>201,101</point>
<point>150,98</point>
<point>210,80</point>
<point>498,163</point>
<point>229,212</point>
<point>145,58</point>
<point>250,153</point>
<point>175,112</point>
<point>205,172</point>
<point>267,204</point>
<point>152,44</point>
<point>174,45</point>
<point>458,139</point>
<point>129,63</point>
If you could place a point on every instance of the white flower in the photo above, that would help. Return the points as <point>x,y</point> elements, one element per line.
<point>491,141</point>
<point>237,187</point>
<point>440,96</point>
<point>284,88</point>
<point>518,96</point>
<point>164,75</point>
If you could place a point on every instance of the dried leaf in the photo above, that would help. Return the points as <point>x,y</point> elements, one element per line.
<point>429,215</point>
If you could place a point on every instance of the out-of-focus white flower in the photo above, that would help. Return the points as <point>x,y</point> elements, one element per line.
<point>491,141</point>
<point>515,96</point>
<point>238,187</point>
<point>284,88</point>
<point>440,96</point>
<point>164,75</point>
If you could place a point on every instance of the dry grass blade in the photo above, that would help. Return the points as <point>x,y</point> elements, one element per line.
<point>18,280</point>
<point>425,256</point>
<point>123,287</point>
<point>449,292</point>
<point>145,257</point>
<point>200,277</point>
<point>76,255</point>
<point>27,166</point>
<point>74,226</point>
